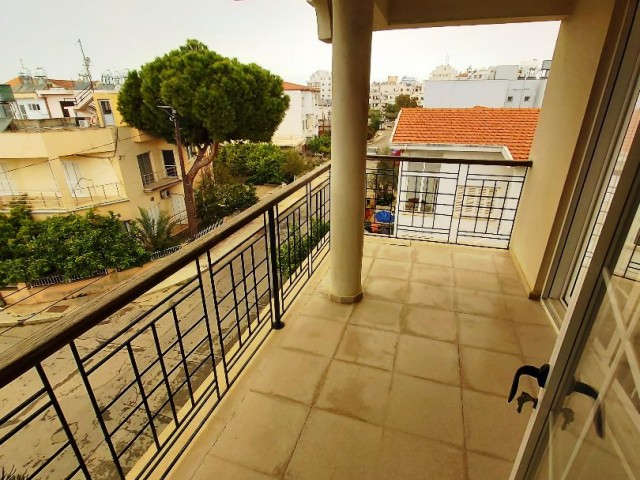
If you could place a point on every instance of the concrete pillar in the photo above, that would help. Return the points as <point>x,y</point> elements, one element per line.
<point>352,23</point>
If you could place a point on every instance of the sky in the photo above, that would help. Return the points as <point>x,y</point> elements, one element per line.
<point>279,35</point>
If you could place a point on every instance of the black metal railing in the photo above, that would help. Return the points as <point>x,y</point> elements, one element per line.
<point>465,202</point>
<point>107,390</point>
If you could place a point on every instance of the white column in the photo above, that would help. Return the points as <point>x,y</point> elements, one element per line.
<point>352,23</point>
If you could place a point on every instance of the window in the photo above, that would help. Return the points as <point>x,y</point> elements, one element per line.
<point>526,99</point>
<point>146,171</point>
<point>34,106</point>
<point>509,99</point>
<point>169,160</point>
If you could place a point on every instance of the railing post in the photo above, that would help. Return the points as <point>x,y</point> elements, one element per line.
<point>273,264</point>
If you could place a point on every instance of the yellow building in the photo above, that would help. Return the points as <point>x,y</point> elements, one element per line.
<point>59,166</point>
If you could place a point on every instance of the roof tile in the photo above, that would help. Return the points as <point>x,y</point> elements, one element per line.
<point>510,127</point>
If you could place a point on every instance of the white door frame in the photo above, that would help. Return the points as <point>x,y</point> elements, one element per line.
<point>580,314</point>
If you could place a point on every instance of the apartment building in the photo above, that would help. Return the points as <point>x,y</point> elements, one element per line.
<point>302,118</point>
<point>82,155</point>
<point>503,86</point>
<point>385,93</point>
<point>321,80</point>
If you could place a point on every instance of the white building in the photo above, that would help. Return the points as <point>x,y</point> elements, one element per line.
<point>321,80</point>
<point>385,93</point>
<point>504,86</point>
<point>443,72</point>
<point>301,119</point>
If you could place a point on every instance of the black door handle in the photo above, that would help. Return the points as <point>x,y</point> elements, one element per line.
<point>589,391</point>
<point>539,373</point>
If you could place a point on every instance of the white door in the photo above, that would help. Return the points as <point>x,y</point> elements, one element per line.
<point>179,208</point>
<point>77,185</point>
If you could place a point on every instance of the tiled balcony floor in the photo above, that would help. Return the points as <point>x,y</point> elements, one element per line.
<point>411,383</point>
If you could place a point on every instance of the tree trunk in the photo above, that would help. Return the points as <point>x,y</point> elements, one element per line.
<point>190,203</point>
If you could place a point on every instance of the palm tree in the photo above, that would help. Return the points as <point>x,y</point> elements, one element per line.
<point>154,233</point>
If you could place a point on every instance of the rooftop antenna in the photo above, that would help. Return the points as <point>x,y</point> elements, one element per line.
<point>86,62</point>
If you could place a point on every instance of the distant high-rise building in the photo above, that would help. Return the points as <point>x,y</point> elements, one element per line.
<point>322,81</point>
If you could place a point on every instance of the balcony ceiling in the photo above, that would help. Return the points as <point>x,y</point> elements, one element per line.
<point>400,14</point>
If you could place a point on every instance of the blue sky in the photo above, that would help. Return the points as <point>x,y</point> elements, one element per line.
<point>278,34</point>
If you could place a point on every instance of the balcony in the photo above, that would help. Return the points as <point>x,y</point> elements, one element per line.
<point>186,369</point>
<point>156,180</point>
<point>55,202</point>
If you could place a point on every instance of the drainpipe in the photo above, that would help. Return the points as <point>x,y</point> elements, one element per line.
<point>352,25</point>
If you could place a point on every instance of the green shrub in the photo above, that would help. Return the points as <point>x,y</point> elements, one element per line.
<point>155,234</point>
<point>294,164</point>
<point>72,245</point>
<point>320,145</point>
<point>214,200</point>
<point>259,163</point>
<point>298,247</point>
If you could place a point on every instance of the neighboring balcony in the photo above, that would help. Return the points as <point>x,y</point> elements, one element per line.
<point>186,369</point>
<point>156,180</point>
<point>54,201</point>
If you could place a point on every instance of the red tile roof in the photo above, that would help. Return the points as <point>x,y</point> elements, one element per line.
<point>482,126</point>
<point>68,84</point>
<point>295,86</point>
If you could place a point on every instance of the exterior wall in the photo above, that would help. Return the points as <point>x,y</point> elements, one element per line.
<point>322,80</point>
<point>86,168</point>
<point>43,111</point>
<point>577,54</point>
<point>53,98</point>
<point>301,119</point>
<point>112,97</point>
<point>486,93</point>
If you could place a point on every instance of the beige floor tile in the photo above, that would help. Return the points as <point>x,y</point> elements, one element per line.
<point>434,256</point>
<point>425,408</point>
<point>334,447</point>
<point>291,374</point>
<point>356,391</point>
<point>523,310</point>
<point>223,470</point>
<point>482,467</point>
<point>410,457</point>
<point>390,268</point>
<point>536,341</point>
<point>386,288</point>
<point>504,265</point>
<point>488,333</point>
<point>487,371</point>
<point>432,275</point>
<point>263,433</point>
<point>480,303</point>
<point>198,451</point>
<point>475,280</point>
<point>421,295</point>
<point>381,314</point>
<point>431,322</point>
<point>310,334</point>
<point>320,306</point>
<point>492,425</point>
<point>367,346</point>
<point>482,262</point>
<point>512,285</point>
<point>367,262</point>
<point>427,358</point>
<point>395,252</point>
<point>370,248</point>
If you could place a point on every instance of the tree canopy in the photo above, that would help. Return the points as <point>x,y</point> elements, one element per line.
<point>216,98</point>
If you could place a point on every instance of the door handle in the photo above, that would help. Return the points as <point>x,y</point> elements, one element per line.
<point>539,373</point>
<point>589,391</point>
